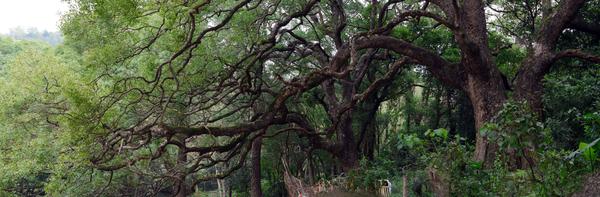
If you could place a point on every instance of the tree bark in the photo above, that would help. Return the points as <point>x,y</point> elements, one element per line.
<point>484,84</point>
<point>439,186</point>
<point>487,98</point>
<point>367,139</point>
<point>348,152</point>
<point>181,187</point>
<point>255,189</point>
<point>542,55</point>
<point>449,107</point>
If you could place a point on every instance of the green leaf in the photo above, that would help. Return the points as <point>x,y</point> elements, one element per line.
<point>441,132</point>
<point>588,152</point>
<point>475,165</point>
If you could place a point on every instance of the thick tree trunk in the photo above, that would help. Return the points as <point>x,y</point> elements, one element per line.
<point>450,124</point>
<point>255,190</point>
<point>529,85</point>
<point>348,152</point>
<point>484,84</point>
<point>367,140</point>
<point>542,54</point>
<point>487,98</point>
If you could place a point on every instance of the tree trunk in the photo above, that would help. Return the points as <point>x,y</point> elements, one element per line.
<point>348,148</point>
<point>367,118</point>
<point>439,186</point>
<point>369,142</point>
<point>450,124</point>
<point>181,187</point>
<point>487,98</point>
<point>484,84</point>
<point>350,154</point>
<point>255,190</point>
<point>529,86</point>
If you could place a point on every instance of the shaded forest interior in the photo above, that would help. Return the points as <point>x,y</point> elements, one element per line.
<point>304,98</point>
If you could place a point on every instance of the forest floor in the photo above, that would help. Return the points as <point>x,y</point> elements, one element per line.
<point>343,194</point>
<point>591,186</point>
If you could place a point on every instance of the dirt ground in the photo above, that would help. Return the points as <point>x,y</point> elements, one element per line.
<point>591,187</point>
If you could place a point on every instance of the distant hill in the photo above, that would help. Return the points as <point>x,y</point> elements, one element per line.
<point>52,38</point>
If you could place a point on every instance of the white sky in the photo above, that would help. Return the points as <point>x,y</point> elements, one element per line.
<point>41,14</point>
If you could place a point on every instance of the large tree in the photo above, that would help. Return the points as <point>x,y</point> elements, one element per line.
<point>209,77</point>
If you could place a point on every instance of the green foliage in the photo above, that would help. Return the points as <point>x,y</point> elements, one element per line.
<point>60,104</point>
<point>516,127</point>
<point>409,141</point>
<point>370,173</point>
<point>591,125</point>
<point>440,133</point>
<point>571,103</point>
<point>551,176</point>
<point>34,103</point>
<point>588,152</point>
<point>552,173</point>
